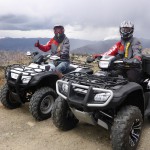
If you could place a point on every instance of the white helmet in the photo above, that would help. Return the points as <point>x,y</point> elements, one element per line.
<point>126,29</point>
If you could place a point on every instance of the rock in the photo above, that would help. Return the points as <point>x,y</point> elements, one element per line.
<point>31,124</point>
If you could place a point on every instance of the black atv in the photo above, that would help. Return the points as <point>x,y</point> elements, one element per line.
<point>106,99</point>
<point>35,83</point>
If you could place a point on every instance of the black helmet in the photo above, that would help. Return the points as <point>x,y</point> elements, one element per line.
<point>126,29</point>
<point>59,27</point>
<point>59,33</point>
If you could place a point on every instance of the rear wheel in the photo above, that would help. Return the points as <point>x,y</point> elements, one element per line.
<point>42,102</point>
<point>7,98</point>
<point>147,99</point>
<point>126,129</point>
<point>62,116</point>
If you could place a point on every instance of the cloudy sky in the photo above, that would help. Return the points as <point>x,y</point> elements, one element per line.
<point>82,19</point>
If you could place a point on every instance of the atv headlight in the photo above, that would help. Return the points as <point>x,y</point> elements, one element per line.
<point>102,97</point>
<point>65,87</point>
<point>103,64</point>
<point>26,79</point>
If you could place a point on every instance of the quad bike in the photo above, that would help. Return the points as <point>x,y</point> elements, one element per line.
<point>35,83</point>
<point>105,98</point>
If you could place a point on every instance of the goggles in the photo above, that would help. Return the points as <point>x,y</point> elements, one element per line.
<point>126,30</point>
<point>58,30</point>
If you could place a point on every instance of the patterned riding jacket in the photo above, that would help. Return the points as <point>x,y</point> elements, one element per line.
<point>57,48</point>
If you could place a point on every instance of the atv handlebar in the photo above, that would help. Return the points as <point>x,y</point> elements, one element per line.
<point>122,64</point>
<point>91,59</point>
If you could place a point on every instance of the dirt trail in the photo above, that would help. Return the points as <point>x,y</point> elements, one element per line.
<point>20,131</point>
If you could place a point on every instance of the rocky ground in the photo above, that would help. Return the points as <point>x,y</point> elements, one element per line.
<point>20,131</point>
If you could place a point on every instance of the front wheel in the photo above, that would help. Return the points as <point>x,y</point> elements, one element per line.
<point>126,129</point>
<point>62,116</point>
<point>7,98</point>
<point>42,102</point>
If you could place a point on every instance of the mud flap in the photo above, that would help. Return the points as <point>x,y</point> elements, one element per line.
<point>16,97</point>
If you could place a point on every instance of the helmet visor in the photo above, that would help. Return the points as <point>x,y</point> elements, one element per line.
<point>58,30</point>
<point>125,30</point>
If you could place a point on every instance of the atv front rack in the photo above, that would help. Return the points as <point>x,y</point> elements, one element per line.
<point>104,82</point>
<point>16,70</point>
<point>26,70</point>
<point>83,90</point>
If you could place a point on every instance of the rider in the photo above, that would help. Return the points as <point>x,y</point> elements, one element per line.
<point>60,46</point>
<point>129,49</point>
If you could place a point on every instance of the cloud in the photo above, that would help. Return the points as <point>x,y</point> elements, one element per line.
<point>95,19</point>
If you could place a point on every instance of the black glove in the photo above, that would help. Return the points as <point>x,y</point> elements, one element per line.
<point>89,59</point>
<point>127,61</point>
<point>136,61</point>
<point>131,61</point>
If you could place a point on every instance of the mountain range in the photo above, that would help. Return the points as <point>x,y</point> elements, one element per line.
<point>27,44</point>
<point>103,46</point>
<point>77,45</point>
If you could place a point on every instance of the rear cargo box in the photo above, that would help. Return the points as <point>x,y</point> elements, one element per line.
<point>146,63</point>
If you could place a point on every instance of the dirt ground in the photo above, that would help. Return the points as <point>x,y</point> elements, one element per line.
<point>20,131</point>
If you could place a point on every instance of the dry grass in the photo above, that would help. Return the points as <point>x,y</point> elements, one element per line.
<point>9,58</point>
<point>82,60</point>
<point>2,79</point>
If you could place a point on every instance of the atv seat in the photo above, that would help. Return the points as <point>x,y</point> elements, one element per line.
<point>69,69</point>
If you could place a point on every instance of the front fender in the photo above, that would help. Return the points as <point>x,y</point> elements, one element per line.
<point>129,94</point>
<point>48,76</point>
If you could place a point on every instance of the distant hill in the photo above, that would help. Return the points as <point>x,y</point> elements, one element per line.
<point>103,46</point>
<point>98,47</point>
<point>77,46</point>
<point>27,44</point>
